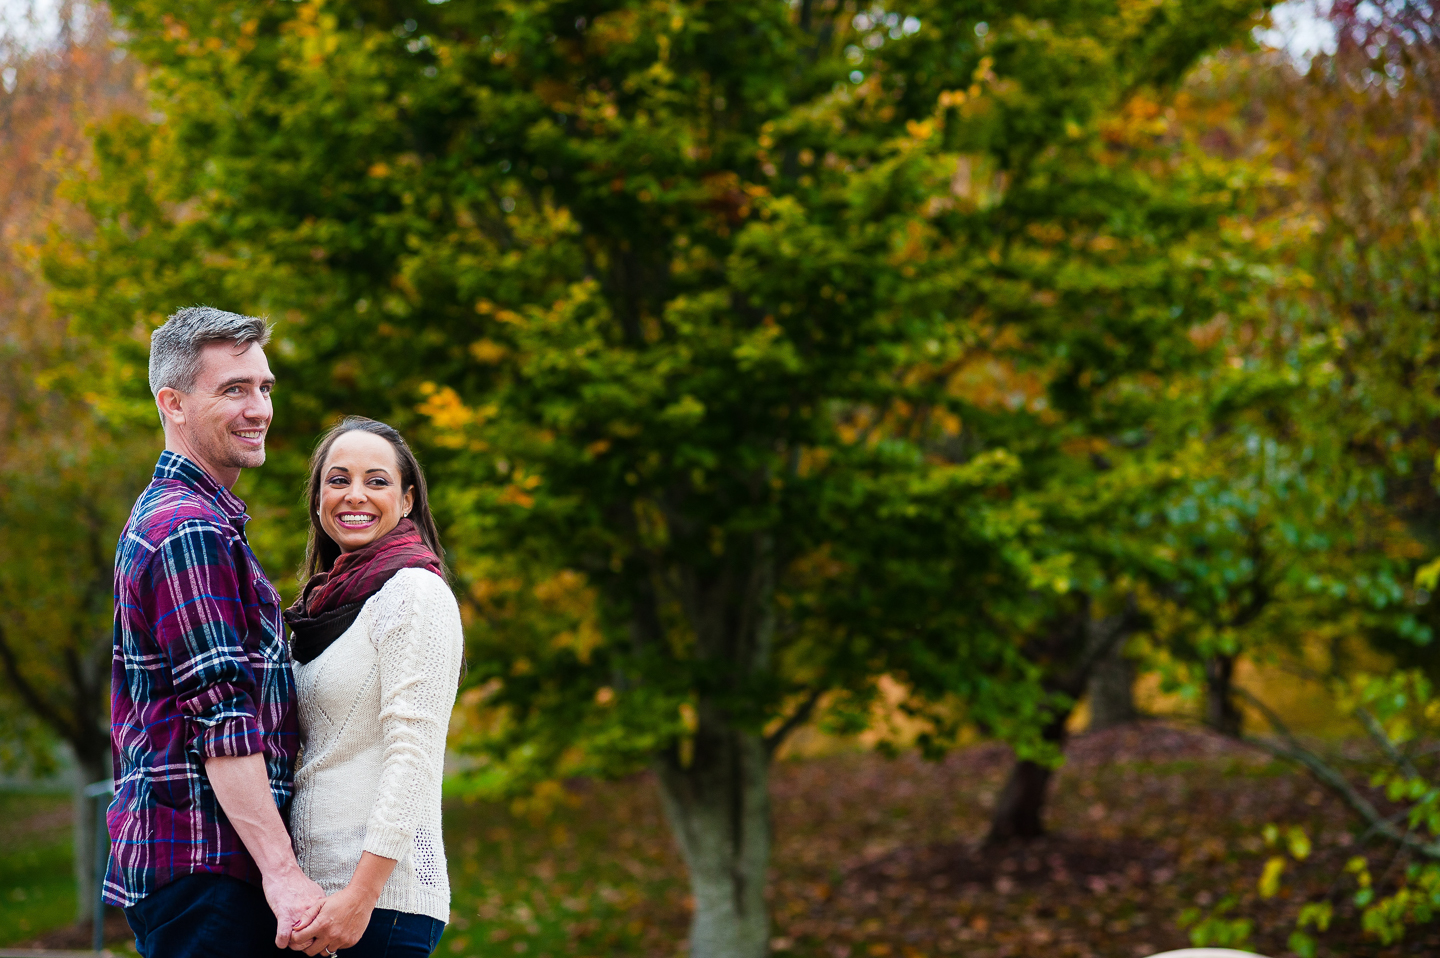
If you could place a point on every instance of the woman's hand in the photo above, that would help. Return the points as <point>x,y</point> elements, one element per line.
<point>346,914</point>
<point>341,921</point>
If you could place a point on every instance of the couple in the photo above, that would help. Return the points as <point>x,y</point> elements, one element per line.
<point>224,734</point>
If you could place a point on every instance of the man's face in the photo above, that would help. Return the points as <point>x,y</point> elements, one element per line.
<point>225,417</point>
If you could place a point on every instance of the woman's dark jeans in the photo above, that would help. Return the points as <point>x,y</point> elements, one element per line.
<point>397,934</point>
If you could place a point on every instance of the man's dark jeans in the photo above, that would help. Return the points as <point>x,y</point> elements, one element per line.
<point>205,916</point>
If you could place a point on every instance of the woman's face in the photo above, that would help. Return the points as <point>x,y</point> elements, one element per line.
<point>360,494</point>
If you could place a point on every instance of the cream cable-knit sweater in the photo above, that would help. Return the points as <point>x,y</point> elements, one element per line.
<point>374,708</point>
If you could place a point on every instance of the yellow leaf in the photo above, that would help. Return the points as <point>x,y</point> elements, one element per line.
<point>1299,843</point>
<point>920,130</point>
<point>1270,879</point>
<point>1428,575</point>
<point>487,351</point>
<point>512,495</point>
<point>446,409</point>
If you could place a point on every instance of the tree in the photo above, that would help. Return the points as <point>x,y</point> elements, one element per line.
<point>720,326</point>
<point>1367,178</point>
<point>1133,369</point>
<point>1344,435</point>
<point>1339,502</point>
<point>64,479</point>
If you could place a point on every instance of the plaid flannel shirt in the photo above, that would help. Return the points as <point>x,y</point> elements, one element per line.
<point>200,670</point>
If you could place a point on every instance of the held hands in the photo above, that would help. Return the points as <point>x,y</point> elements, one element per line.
<point>344,916</point>
<point>242,786</point>
<point>294,899</point>
<point>342,919</point>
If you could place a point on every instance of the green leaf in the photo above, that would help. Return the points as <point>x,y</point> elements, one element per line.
<point>1303,945</point>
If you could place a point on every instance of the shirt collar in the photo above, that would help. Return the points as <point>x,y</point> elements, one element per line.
<point>178,468</point>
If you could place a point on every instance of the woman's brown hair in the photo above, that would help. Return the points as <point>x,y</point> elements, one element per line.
<point>321,551</point>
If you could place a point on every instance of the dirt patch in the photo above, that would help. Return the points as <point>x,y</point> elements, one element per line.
<point>51,822</point>
<point>1156,743</point>
<point>1055,860</point>
<point>1146,821</point>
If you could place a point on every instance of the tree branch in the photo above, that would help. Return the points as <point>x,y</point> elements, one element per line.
<point>1113,630</point>
<point>1259,588</point>
<point>1331,778</point>
<point>797,718</point>
<point>1372,725</point>
<point>31,695</point>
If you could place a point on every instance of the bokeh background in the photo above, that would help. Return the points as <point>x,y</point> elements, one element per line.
<point>921,479</point>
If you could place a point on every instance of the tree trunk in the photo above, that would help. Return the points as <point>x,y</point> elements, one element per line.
<point>1083,642</point>
<point>1221,712</point>
<point>718,805</point>
<point>1112,691</point>
<point>715,787</point>
<point>1020,810</point>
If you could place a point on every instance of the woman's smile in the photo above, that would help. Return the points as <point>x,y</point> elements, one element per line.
<point>361,496</point>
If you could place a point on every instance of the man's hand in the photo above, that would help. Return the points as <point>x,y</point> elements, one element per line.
<point>294,899</point>
<point>243,789</point>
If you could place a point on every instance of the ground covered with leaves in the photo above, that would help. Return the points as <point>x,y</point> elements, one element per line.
<point>877,857</point>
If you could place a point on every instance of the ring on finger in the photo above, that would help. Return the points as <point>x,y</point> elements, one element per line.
<point>328,953</point>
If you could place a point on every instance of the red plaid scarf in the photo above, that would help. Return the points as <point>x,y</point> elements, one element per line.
<point>332,600</point>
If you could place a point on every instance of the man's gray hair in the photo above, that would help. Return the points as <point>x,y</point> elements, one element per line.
<point>175,347</point>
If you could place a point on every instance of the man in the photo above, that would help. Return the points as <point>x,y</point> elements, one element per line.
<point>203,719</point>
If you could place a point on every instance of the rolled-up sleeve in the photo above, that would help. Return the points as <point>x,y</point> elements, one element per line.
<point>199,619</point>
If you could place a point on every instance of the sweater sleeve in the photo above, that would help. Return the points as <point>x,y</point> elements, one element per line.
<point>419,640</point>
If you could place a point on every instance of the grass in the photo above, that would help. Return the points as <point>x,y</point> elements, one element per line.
<point>37,881</point>
<point>596,876</point>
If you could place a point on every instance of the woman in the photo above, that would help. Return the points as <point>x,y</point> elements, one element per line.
<point>377,647</point>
